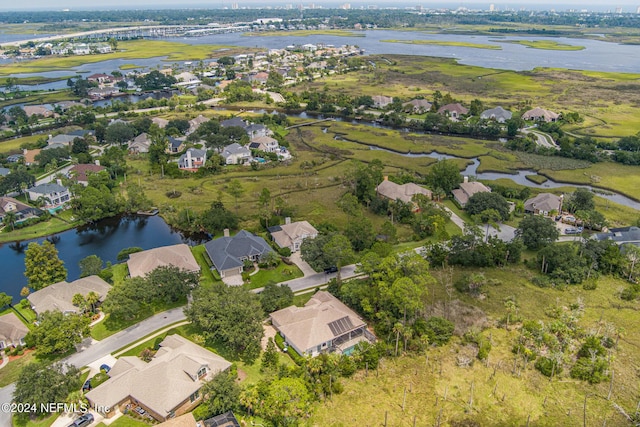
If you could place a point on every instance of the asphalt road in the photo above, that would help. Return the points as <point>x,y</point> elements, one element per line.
<point>317,279</point>
<point>6,394</point>
<point>110,344</point>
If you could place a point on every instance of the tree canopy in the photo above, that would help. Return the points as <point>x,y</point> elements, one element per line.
<point>229,314</point>
<point>40,383</point>
<point>444,175</point>
<point>58,333</point>
<point>42,265</point>
<point>481,202</point>
<point>537,231</point>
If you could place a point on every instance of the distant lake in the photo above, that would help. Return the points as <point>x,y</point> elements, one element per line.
<point>105,239</point>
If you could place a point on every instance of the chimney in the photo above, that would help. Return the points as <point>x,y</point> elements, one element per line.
<point>59,181</point>
<point>226,232</point>
<point>287,220</point>
<point>466,179</point>
<point>386,178</point>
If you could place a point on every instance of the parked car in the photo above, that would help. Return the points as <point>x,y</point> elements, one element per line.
<point>87,385</point>
<point>332,269</point>
<point>573,230</point>
<point>83,421</point>
<point>105,367</point>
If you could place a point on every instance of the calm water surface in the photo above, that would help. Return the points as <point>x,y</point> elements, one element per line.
<point>104,239</point>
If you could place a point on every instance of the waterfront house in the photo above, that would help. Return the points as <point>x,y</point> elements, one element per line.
<point>228,254</point>
<point>142,263</point>
<point>543,204</point>
<point>12,331</point>
<point>54,195</point>
<point>59,296</point>
<point>468,189</point>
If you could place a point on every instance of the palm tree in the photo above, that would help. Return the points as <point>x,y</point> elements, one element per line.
<point>92,299</point>
<point>10,218</point>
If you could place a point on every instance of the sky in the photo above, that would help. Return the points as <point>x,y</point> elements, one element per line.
<point>602,5</point>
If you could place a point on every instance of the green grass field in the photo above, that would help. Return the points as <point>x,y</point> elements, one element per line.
<point>544,44</point>
<point>500,397</point>
<point>445,43</point>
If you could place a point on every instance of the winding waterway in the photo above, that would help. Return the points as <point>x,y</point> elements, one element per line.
<point>105,239</point>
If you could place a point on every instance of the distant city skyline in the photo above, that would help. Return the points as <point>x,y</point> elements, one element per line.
<point>598,5</point>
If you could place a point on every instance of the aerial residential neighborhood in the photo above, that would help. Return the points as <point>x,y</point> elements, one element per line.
<point>319,215</point>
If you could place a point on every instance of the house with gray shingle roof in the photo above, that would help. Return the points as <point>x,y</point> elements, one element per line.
<point>140,144</point>
<point>229,253</point>
<point>498,114</point>
<point>166,387</point>
<point>192,160</point>
<point>543,204</point>
<point>417,106</point>
<point>59,296</point>
<point>12,331</point>
<point>621,236</point>
<point>53,194</point>
<point>235,121</point>
<point>236,154</point>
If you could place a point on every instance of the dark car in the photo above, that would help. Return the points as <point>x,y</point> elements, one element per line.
<point>87,385</point>
<point>83,421</point>
<point>332,269</point>
<point>105,367</point>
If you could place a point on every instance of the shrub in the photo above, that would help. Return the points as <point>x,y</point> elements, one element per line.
<point>124,254</point>
<point>173,194</point>
<point>437,329</point>
<point>548,367</point>
<point>590,285</point>
<point>286,252</point>
<point>591,370</point>
<point>483,343</point>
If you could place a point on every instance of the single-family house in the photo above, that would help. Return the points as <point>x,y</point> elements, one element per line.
<point>63,138</point>
<point>454,111</point>
<point>142,263</point>
<point>256,130</point>
<point>54,195</point>
<point>235,121</point>
<point>323,325</point>
<point>166,387</point>
<point>264,143</point>
<point>100,78</point>
<point>621,236</point>
<point>468,189</point>
<point>417,106</point>
<point>540,114</point>
<point>30,156</point>
<point>405,192</point>
<point>79,173</point>
<point>12,331</point>
<point>160,122</point>
<point>37,110</point>
<point>140,144</point>
<point>185,420</point>
<point>174,145</point>
<point>187,79</point>
<point>228,254</point>
<point>15,158</point>
<point>498,114</point>
<point>543,204</point>
<point>59,296</point>
<point>235,154</point>
<point>195,123</point>
<point>192,160</point>
<point>381,101</point>
<point>292,234</point>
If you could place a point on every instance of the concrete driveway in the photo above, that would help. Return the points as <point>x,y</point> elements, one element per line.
<point>306,269</point>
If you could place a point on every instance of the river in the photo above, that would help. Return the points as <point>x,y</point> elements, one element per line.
<point>596,56</point>
<point>104,239</point>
